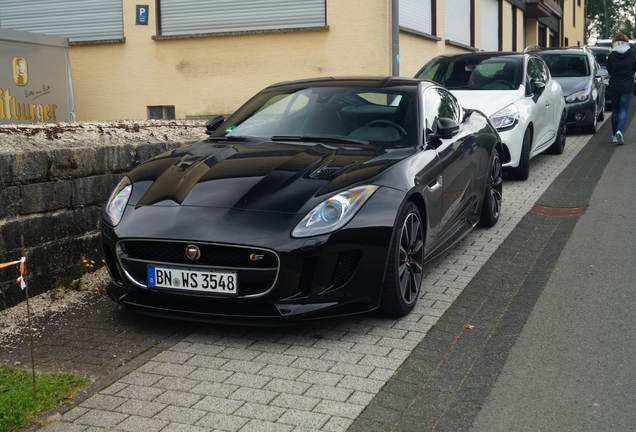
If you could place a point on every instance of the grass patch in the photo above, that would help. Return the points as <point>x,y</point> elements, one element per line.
<point>18,402</point>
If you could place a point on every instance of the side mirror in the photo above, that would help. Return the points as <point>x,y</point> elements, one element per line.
<point>538,86</point>
<point>212,125</point>
<point>444,128</point>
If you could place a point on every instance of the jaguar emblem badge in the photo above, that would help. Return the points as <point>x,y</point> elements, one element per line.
<point>193,252</point>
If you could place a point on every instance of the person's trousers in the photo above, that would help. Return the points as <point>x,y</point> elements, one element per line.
<point>620,107</point>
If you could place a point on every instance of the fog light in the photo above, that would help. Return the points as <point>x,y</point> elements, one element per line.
<point>578,116</point>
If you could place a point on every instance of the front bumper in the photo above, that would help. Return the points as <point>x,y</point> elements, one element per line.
<point>512,139</point>
<point>580,113</point>
<point>330,275</point>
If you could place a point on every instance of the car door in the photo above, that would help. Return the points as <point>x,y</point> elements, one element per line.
<point>457,159</point>
<point>543,110</point>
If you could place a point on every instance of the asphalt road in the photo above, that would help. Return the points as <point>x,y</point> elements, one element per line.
<point>573,367</point>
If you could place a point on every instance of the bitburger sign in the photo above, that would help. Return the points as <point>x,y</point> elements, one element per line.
<point>35,81</point>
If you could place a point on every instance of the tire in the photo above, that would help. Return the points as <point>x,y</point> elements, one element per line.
<point>405,267</point>
<point>591,128</point>
<point>601,115</point>
<point>523,170</point>
<point>491,207</point>
<point>559,142</point>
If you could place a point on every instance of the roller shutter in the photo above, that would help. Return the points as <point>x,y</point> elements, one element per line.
<point>416,15</point>
<point>79,20</point>
<point>203,16</point>
<point>489,25</point>
<point>458,21</point>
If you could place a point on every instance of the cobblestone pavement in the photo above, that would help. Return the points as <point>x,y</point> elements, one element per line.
<point>318,376</point>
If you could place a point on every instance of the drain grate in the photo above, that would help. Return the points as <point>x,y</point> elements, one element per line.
<point>557,211</point>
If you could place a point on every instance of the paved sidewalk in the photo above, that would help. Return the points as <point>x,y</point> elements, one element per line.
<point>318,376</point>
<point>573,367</point>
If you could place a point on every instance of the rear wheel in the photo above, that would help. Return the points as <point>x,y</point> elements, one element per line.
<point>601,115</point>
<point>491,206</point>
<point>405,267</point>
<point>559,142</point>
<point>523,170</point>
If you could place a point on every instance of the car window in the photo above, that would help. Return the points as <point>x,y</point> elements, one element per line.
<point>475,72</point>
<point>536,71</point>
<point>439,103</point>
<point>601,57</point>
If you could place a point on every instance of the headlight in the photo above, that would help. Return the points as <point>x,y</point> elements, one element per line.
<point>333,213</point>
<point>579,96</point>
<point>505,118</point>
<point>116,204</point>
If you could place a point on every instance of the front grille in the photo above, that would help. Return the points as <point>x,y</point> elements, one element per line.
<point>257,269</point>
<point>211,254</point>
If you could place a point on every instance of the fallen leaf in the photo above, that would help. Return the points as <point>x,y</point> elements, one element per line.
<point>469,326</point>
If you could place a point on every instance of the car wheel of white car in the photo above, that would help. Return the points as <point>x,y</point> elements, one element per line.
<point>522,171</point>
<point>559,142</point>
<point>601,115</point>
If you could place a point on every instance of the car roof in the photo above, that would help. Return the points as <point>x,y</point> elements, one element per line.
<point>572,50</point>
<point>354,81</point>
<point>482,54</point>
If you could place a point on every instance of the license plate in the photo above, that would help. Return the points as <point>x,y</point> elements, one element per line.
<point>211,282</point>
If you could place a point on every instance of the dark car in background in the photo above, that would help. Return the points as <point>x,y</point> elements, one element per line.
<point>316,198</point>
<point>600,55</point>
<point>582,84</point>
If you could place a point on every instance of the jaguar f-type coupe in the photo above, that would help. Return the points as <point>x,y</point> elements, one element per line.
<point>316,198</point>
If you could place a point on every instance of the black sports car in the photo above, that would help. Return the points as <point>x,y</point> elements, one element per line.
<point>316,198</point>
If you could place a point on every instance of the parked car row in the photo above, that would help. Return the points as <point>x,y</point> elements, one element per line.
<point>326,197</point>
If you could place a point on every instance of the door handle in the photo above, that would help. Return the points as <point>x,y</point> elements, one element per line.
<point>435,184</point>
<point>547,105</point>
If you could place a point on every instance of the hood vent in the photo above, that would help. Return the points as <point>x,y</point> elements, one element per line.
<point>328,172</point>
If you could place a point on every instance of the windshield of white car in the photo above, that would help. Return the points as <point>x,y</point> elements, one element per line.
<point>475,72</point>
<point>385,117</point>
<point>567,65</point>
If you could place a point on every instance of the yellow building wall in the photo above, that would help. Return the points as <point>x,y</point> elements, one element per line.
<point>521,44</point>
<point>506,26</point>
<point>415,50</point>
<point>532,32</point>
<point>214,75</point>
<point>574,29</point>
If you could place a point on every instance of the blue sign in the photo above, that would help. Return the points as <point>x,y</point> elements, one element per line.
<point>142,14</point>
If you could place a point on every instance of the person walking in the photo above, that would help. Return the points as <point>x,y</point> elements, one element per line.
<point>621,66</point>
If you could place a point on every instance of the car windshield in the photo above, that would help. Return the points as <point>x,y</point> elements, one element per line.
<point>567,65</point>
<point>475,72</point>
<point>334,114</point>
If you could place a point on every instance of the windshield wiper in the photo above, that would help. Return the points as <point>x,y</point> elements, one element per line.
<point>316,138</point>
<point>231,138</point>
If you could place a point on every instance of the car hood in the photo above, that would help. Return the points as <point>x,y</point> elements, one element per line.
<point>571,85</point>
<point>486,101</point>
<point>264,176</point>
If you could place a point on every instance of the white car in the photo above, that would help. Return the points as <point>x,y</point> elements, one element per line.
<point>516,92</point>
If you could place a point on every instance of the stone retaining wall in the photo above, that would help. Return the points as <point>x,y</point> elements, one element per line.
<point>52,191</point>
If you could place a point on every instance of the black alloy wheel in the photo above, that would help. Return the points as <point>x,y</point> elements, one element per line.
<point>405,271</point>
<point>493,197</point>
<point>559,142</point>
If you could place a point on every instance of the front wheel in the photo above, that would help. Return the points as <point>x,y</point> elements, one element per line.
<point>522,171</point>
<point>559,142</point>
<point>591,128</point>
<point>491,207</point>
<point>405,268</point>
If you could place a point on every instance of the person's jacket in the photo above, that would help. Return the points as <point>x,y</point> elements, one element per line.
<point>621,66</point>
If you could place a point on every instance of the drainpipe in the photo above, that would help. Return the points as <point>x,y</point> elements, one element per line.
<point>395,36</point>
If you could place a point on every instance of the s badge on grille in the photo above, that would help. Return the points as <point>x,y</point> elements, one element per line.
<point>192,252</point>
<point>256,257</point>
